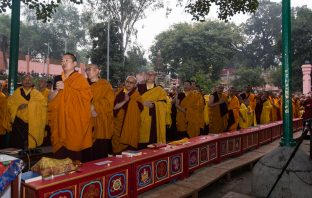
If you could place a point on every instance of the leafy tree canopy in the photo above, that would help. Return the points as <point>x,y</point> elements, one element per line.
<point>199,9</point>
<point>247,76</point>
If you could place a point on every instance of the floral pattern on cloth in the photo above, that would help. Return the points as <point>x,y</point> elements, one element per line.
<point>12,171</point>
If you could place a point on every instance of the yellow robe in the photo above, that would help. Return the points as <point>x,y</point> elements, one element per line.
<point>233,104</point>
<point>127,125</point>
<point>190,120</point>
<point>34,114</point>
<point>45,93</point>
<point>168,112</point>
<point>70,119</point>
<point>243,123</point>
<point>252,101</point>
<point>217,123</point>
<point>206,110</point>
<point>159,96</point>
<point>5,125</point>
<point>103,101</point>
<point>266,116</point>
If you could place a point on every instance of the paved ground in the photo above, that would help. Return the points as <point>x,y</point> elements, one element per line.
<point>240,184</point>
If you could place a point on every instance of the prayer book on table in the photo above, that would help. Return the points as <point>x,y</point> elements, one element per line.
<point>30,176</point>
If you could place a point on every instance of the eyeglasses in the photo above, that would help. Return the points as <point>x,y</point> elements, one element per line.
<point>130,82</point>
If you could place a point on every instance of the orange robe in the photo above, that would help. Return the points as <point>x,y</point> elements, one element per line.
<point>233,106</point>
<point>103,101</point>
<point>71,116</point>
<point>127,122</point>
<point>217,122</point>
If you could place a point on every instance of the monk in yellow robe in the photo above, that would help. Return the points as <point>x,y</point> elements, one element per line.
<point>168,112</point>
<point>127,117</point>
<point>218,111</point>
<point>206,113</point>
<point>233,110</point>
<point>153,116</point>
<point>28,110</point>
<point>69,108</point>
<point>44,89</point>
<point>188,113</point>
<point>102,112</point>
<point>4,114</point>
<point>266,114</point>
<point>243,114</point>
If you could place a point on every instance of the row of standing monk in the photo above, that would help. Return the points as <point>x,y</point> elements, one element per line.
<point>87,120</point>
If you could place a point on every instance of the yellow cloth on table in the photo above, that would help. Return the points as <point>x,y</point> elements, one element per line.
<point>48,166</point>
<point>179,142</point>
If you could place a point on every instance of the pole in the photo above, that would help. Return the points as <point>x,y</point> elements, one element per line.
<point>14,45</point>
<point>287,139</point>
<point>108,40</point>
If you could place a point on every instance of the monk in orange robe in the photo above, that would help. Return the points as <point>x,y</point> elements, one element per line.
<point>102,112</point>
<point>69,108</point>
<point>233,110</point>
<point>127,117</point>
<point>251,97</point>
<point>218,112</point>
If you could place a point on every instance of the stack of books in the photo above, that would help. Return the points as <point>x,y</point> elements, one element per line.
<point>30,176</point>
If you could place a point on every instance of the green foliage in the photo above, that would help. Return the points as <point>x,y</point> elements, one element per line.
<point>301,43</point>
<point>204,81</point>
<point>186,49</point>
<point>226,9</point>
<point>247,76</point>
<point>275,77</point>
<point>44,9</point>
<point>134,60</point>
<point>263,29</point>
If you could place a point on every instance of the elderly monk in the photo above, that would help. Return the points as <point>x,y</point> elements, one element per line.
<point>188,112</point>
<point>218,112</point>
<point>233,109</point>
<point>153,116</point>
<point>70,114</point>
<point>127,117</point>
<point>28,109</point>
<point>102,112</point>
